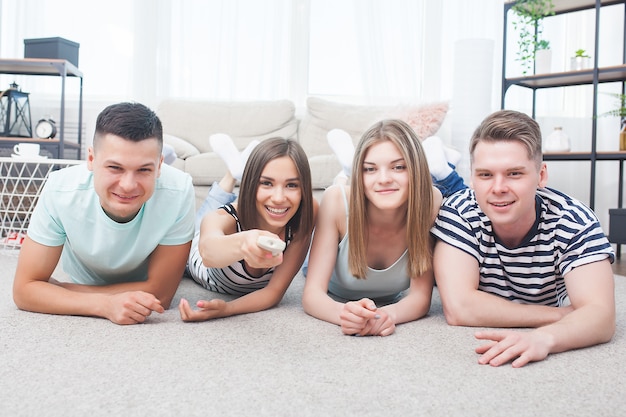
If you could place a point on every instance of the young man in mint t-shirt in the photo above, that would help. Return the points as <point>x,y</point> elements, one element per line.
<point>122,224</point>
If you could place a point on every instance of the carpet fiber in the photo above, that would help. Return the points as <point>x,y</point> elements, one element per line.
<point>282,362</point>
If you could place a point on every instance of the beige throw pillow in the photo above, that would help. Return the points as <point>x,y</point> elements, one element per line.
<point>323,115</point>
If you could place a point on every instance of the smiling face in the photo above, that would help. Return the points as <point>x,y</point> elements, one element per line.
<point>385,176</point>
<point>124,174</point>
<point>279,194</point>
<point>505,180</point>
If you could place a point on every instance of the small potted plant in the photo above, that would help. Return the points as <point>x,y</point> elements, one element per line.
<point>528,23</point>
<point>580,60</point>
<point>543,57</point>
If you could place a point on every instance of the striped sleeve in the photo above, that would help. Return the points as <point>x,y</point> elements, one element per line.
<point>457,221</point>
<point>576,230</point>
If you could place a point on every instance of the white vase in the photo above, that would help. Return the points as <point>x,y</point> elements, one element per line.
<point>543,61</point>
<point>557,141</point>
<point>578,63</point>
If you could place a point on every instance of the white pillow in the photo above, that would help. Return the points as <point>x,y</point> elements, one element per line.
<point>323,116</point>
<point>182,148</point>
<point>243,121</point>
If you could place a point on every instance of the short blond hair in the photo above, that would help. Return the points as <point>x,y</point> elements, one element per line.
<point>510,125</point>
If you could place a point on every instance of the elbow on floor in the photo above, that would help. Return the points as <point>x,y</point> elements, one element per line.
<point>456,317</point>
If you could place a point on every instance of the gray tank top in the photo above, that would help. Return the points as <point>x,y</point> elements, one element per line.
<point>381,285</point>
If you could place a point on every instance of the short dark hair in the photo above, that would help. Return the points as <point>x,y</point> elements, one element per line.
<point>131,121</point>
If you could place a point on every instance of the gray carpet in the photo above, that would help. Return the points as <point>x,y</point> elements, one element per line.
<point>282,362</point>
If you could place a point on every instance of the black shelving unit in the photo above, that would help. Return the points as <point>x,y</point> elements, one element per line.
<point>49,67</point>
<point>592,76</point>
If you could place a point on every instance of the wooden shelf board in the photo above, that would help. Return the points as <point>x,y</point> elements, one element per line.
<point>570,78</point>
<point>38,66</point>
<point>584,156</point>
<point>55,142</point>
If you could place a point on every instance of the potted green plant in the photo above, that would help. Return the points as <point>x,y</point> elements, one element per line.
<point>543,57</point>
<point>620,109</point>
<point>528,23</point>
<point>580,60</point>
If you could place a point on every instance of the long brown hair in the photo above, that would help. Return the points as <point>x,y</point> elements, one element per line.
<point>263,153</point>
<point>420,198</point>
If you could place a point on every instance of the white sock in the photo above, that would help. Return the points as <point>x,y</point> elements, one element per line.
<point>341,144</point>
<point>452,155</point>
<point>245,154</point>
<point>437,162</point>
<point>169,154</point>
<point>223,145</point>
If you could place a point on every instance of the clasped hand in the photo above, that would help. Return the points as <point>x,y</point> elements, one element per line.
<point>363,318</point>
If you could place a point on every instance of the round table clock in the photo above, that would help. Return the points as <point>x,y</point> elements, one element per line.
<point>46,129</point>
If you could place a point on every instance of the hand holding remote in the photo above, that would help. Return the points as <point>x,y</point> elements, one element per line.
<point>271,244</point>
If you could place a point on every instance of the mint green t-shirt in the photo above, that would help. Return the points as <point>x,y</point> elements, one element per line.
<point>98,250</point>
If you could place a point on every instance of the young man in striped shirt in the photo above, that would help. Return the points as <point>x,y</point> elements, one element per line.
<point>512,253</point>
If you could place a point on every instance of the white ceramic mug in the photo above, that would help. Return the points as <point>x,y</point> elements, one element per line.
<point>26,149</point>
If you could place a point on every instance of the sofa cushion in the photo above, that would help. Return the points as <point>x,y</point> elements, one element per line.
<point>324,169</point>
<point>194,120</point>
<point>205,168</point>
<point>425,119</point>
<point>323,116</point>
<point>182,148</point>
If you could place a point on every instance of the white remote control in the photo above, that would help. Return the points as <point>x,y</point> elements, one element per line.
<point>271,244</point>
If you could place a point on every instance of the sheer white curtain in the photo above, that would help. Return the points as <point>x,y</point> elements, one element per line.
<point>361,50</point>
<point>145,50</point>
<point>367,50</point>
<point>391,40</point>
<point>227,49</point>
<point>371,50</point>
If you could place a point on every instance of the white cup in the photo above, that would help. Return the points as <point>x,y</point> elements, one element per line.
<point>26,149</point>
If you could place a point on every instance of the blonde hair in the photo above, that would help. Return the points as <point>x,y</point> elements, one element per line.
<point>420,198</point>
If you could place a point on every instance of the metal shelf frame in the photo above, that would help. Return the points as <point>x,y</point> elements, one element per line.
<point>50,67</point>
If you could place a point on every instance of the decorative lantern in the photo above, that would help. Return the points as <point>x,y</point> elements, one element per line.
<point>15,113</point>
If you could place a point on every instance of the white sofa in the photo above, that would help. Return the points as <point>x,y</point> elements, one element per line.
<point>188,124</point>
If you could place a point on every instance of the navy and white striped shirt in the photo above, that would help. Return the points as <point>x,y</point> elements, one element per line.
<point>566,234</point>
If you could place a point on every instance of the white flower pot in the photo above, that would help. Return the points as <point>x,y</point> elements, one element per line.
<point>543,61</point>
<point>557,141</point>
<point>578,63</point>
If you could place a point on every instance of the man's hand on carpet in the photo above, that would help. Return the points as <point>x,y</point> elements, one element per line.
<point>510,345</point>
<point>131,307</point>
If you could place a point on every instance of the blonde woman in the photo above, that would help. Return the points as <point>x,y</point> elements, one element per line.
<point>370,265</point>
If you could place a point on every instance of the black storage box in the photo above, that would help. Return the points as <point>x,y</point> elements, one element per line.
<point>54,48</point>
<point>617,225</point>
